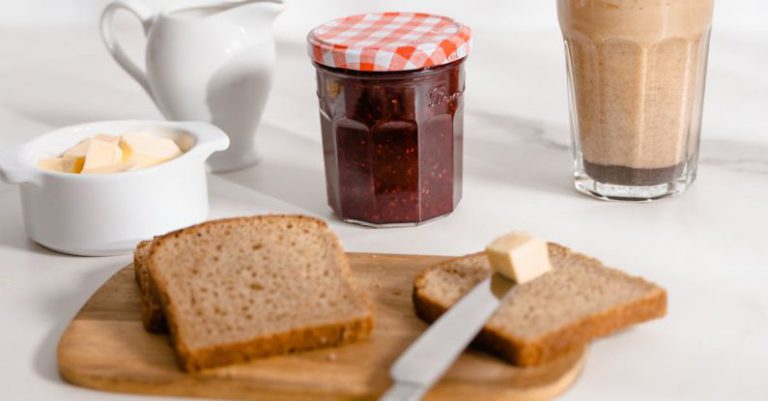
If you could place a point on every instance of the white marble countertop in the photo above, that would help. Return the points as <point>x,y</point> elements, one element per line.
<point>706,247</point>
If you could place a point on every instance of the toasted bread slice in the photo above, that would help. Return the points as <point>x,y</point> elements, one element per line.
<point>151,311</point>
<point>237,289</point>
<point>579,300</point>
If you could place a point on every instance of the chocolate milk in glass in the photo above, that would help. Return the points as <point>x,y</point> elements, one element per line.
<point>636,71</point>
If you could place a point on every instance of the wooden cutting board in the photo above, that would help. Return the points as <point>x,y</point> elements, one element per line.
<point>105,347</point>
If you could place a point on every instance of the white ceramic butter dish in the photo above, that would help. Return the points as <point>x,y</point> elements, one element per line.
<point>107,214</point>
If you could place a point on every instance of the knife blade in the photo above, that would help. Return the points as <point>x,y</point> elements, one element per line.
<point>425,361</point>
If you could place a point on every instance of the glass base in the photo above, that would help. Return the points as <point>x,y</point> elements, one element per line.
<point>640,193</point>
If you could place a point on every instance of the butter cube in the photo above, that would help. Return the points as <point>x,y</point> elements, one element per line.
<point>107,138</point>
<point>62,164</point>
<point>76,154</point>
<point>519,256</point>
<point>147,150</point>
<point>101,154</point>
<point>112,168</point>
<point>79,150</point>
<point>54,164</point>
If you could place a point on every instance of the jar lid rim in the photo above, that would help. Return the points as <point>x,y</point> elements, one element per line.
<point>389,41</point>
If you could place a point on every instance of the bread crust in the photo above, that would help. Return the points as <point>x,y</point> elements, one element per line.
<point>151,312</point>
<point>568,337</point>
<point>139,267</point>
<point>329,335</point>
<point>307,338</point>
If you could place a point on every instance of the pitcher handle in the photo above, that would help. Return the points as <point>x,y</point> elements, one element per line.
<point>146,16</point>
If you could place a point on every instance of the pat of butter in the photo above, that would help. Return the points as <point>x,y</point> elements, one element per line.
<point>112,168</point>
<point>79,150</point>
<point>101,154</point>
<point>146,150</point>
<point>107,138</point>
<point>519,256</point>
<point>62,164</point>
<point>77,154</point>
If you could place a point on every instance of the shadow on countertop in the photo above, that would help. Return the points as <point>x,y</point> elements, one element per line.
<point>12,232</point>
<point>61,307</point>
<point>60,302</point>
<point>280,175</point>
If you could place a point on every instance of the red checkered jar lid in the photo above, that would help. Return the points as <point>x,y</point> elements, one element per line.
<point>392,41</point>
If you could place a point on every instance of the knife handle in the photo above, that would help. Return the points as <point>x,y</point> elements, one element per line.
<point>403,391</point>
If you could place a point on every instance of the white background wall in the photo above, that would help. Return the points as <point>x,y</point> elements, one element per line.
<point>517,44</point>
<point>738,15</point>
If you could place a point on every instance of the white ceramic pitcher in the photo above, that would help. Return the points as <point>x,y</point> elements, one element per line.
<point>206,60</point>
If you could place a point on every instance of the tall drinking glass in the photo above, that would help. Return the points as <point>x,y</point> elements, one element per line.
<point>636,73</point>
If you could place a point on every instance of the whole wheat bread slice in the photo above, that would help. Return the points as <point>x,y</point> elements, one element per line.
<point>237,289</point>
<point>579,300</point>
<point>151,311</point>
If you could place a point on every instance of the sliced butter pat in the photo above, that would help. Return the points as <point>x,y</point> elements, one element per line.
<point>79,150</point>
<point>54,164</point>
<point>519,256</point>
<point>146,150</point>
<point>101,154</point>
<point>113,168</point>
<point>107,138</point>
<point>75,155</point>
<point>62,164</point>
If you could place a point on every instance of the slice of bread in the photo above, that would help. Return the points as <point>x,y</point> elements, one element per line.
<point>151,311</point>
<point>237,289</point>
<point>579,300</point>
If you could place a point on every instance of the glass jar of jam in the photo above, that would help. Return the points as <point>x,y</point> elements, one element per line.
<point>390,88</point>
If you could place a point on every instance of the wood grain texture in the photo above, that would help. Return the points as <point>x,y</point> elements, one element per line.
<point>105,347</point>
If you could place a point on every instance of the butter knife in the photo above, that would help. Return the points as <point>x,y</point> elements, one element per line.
<point>425,361</point>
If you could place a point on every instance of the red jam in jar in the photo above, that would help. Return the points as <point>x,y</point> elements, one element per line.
<point>391,115</point>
